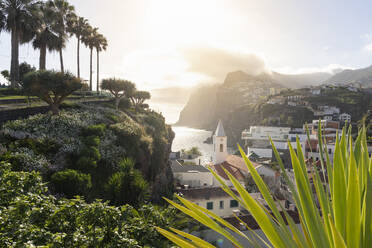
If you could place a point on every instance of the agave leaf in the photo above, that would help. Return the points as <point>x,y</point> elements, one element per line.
<point>339,189</point>
<point>338,241</point>
<point>310,211</point>
<point>353,208</point>
<point>204,219</point>
<point>175,239</point>
<point>265,222</point>
<point>197,241</point>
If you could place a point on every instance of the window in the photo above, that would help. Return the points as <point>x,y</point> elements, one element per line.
<point>221,204</point>
<point>234,203</point>
<point>221,147</point>
<point>209,205</point>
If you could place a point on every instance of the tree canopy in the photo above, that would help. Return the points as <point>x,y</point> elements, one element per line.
<point>118,88</point>
<point>51,86</point>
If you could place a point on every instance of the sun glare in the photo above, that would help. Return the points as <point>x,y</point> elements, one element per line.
<point>184,22</point>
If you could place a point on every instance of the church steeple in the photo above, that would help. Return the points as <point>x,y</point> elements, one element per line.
<point>220,132</point>
<point>219,144</point>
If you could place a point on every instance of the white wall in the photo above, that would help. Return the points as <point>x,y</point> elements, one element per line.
<point>218,156</point>
<point>262,152</point>
<point>195,179</point>
<point>226,211</point>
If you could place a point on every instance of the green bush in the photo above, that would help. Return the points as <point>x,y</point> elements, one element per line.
<point>94,130</point>
<point>71,183</point>
<point>125,103</point>
<point>30,217</point>
<point>11,92</point>
<point>86,163</point>
<point>92,141</point>
<point>127,186</point>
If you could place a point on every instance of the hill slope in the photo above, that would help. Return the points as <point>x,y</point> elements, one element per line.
<point>362,76</point>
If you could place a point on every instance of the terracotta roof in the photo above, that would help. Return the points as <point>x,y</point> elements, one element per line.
<point>234,165</point>
<point>251,222</point>
<point>204,193</point>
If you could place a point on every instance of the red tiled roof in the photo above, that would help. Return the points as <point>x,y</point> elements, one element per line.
<point>205,193</point>
<point>235,165</point>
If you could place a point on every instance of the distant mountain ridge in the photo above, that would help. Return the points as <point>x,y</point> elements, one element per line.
<point>239,88</point>
<point>361,76</point>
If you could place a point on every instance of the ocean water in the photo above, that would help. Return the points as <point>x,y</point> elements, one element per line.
<point>188,137</point>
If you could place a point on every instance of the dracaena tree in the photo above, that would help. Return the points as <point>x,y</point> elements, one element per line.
<point>119,88</point>
<point>52,87</point>
<point>20,18</point>
<point>139,97</point>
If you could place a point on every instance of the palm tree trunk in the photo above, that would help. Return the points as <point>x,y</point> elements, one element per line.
<point>91,70</point>
<point>42,58</point>
<point>97,71</point>
<point>61,59</point>
<point>78,57</point>
<point>14,65</point>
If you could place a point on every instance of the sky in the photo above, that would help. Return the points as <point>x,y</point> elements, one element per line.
<point>167,43</point>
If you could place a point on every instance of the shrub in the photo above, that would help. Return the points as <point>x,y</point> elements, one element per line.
<point>94,130</point>
<point>24,159</point>
<point>125,103</point>
<point>86,163</point>
<point>92,141</point>
<point>10,91</point>
<point>127,186</point>
<point>336,215</point>
<point>71,183</point>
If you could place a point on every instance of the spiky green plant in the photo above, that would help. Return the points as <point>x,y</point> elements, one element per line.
<point>343,218</point>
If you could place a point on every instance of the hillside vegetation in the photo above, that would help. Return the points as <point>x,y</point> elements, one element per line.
<point>87,150</point>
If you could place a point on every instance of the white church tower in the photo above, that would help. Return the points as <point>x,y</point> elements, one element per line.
<point>219,144</point>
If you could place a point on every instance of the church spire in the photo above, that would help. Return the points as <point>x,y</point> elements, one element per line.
<point>220,132</point>
<point>219,144</point>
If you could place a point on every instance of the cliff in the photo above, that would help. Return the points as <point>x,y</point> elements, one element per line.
<point>241,101</point>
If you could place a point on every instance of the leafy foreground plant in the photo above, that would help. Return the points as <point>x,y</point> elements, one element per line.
<point>343,218</point>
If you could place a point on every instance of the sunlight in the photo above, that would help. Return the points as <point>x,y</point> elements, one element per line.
<point>184,22</point>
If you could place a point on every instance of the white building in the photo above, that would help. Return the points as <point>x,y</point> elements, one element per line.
<point>191,175</point>
<point>235,165</point>
<point>315,91</point>
<point>263,133</point>
<point>344,117</point>
<point>219,144</point>
<point>214,199</point>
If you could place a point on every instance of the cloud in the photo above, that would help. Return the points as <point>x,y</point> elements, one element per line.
<point>368,47</point>
<point>186,66</point>
<point>331,68</point>
<point>217,62</point>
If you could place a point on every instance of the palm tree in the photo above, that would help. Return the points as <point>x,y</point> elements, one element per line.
<point>79,27</point>
<point>45,37</point>
<point>90,41</point>
<point>20,18</point>
<point>2,17</point>
<point>64,14</point>
<point>100,45</point>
